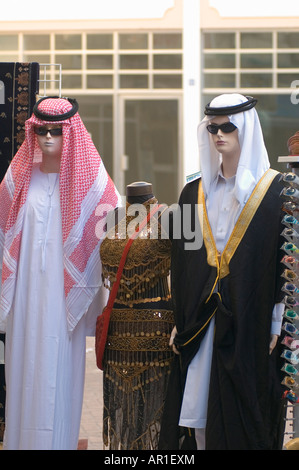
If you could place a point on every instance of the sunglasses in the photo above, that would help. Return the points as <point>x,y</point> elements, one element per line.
<point>289,220</point>
<point>289,275</point>
<point>227,127</point>
<point>289,369</point>
<point>290,356</point>
<point>291,178</point>
<point>290,234</point>
<point>291,396</point>
<point>290,261</point>
<point>289,207</point>
<point>289,382</point>
<point>290,328</point>
<point>44,131</point>
<point>290,288</point>
<point>290,248</point>
<point>290,192</point>
<point>291,302</point>
<point>291,315</point>
<point>290,342</point>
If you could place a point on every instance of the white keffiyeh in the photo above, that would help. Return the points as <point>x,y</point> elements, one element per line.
<point>254,161</point>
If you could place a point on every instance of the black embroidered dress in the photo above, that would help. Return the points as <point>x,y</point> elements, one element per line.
<point>137,358</point>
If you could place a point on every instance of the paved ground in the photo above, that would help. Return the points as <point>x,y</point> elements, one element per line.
<point>91,423</point>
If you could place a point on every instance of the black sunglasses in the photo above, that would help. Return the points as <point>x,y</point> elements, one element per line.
<point>225,127</point>
<point>44,131</point>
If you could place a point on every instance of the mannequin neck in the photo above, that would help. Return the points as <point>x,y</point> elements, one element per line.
<point>50,164</point>
<point>139,192</point>
<point>230,164</point>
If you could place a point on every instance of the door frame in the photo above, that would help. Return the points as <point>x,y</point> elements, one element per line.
<point>119,133</point>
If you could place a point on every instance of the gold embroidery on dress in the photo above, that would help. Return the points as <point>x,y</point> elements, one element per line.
<point>145,274</point>
<point>138,347</point>
<point>137,359</point>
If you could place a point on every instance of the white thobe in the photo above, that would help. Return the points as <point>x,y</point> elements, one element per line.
<point>223,211</point>
<point>45,364</point>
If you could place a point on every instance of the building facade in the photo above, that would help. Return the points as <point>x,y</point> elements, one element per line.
<point>142,81</point>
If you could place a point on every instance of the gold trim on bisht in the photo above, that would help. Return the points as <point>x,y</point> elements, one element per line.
<point>221,260</point>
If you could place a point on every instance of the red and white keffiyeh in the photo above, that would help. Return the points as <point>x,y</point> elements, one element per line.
<point>87,193</point>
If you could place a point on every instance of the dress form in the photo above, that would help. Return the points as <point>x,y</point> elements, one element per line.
<point>137,358</point>
<point>139,192</point>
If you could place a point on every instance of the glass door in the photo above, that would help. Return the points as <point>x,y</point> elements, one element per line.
<point>150,145</point>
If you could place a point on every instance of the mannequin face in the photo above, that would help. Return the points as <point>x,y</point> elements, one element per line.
<point>225,143</point>
<point>51,145</point>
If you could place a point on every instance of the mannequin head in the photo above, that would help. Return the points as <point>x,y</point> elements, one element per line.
<point>139,191</point>
<point>50,116</point>
<point>227,144</point>
<point>50,141</point>
<point>253,159</point>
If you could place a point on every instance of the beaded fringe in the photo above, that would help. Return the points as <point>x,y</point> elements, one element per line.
<point>133,406</point>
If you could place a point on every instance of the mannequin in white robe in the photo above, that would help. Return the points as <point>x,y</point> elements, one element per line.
<point>37,419</point>
<point>45,354</point>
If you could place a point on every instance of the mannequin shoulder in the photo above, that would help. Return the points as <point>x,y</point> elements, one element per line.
<point>190,191</point>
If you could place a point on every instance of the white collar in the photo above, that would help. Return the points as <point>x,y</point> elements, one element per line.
<point>231,179</point>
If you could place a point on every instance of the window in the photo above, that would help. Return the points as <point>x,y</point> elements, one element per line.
<point>285,79</point>
<point>252,80</point>
<point>39,42</point>
<point>68,41</point>
<point>167,81</point>
<point>133,61</point>
<point>100,61</point>
<point>288,40</point>
<point>133,41</point>
<point>69,61</point>
<point>256,61</point>
<point>133,81</point>
<point>167,41</point>
<point>109,60</point>
<point>99,81</point>
<point>263,64</point>
<point>256,40</point>
<point>97,114</point>
<point>288,60</point>
<point>168,61</point>
<point>250,60</point>
<point>9,42</point>
<point>220,61</point>
<point>71,81</point>
<point>37,57</point>
<point>99,41</point>
<point>219,80</point>
<point>219,41</point>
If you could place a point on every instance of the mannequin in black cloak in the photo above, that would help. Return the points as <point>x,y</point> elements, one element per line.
<point>137,357</point>
<point>225,388</point>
